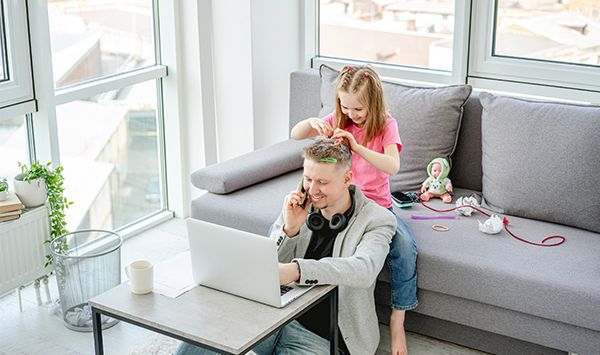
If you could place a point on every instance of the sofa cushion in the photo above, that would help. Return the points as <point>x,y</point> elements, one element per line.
<point>540,160</point>
<point>428,118</point>
<point>250,168</point>
<point>559,283</point>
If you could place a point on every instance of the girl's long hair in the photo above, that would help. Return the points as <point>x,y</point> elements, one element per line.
<point>363,81</point>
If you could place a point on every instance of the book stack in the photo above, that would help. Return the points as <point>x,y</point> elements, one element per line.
<point>11,208</point>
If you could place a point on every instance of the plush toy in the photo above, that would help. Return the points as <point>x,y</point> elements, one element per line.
<point>437,184</point>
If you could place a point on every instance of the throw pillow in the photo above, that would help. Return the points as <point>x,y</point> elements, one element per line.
<point>540,160</point>
<point>428,122</point>
<point>251,168</point>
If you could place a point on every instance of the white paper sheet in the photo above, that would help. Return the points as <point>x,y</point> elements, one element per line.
<point>173,277</point>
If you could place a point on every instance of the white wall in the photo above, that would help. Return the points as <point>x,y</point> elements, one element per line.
<point>276,51</point>
<point>228,83</point>
<point>232,53</point>
<point>257,43</point>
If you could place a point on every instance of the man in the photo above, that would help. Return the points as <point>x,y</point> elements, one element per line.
<point>340,238</point>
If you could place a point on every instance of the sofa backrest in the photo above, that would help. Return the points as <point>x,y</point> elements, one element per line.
<point>305,95</point>
<point>466,160</point>
<point>305,101</point>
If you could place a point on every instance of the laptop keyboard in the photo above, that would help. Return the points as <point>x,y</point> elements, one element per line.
<point>285,289</point>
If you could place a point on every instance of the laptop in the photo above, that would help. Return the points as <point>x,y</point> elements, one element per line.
<point>238,262</point>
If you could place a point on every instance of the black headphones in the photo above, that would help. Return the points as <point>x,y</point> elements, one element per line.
<point>315,220</point>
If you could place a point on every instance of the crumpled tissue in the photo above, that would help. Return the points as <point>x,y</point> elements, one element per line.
<point>492,225</point>
<point>466,201</point>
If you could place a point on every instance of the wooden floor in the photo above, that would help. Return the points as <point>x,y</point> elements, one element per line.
<point>35,331</point>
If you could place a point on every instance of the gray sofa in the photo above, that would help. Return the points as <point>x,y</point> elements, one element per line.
<point>489,292</point>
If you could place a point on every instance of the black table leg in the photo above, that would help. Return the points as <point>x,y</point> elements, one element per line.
<point>97,325</point>
<point>333,322</point>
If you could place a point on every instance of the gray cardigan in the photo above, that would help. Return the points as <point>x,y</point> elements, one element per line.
<point>359,253</point>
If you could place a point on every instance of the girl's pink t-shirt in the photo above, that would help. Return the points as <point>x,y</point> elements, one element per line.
<point>374,183</point>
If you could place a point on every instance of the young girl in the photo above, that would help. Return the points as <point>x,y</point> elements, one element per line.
<point>372,134</point>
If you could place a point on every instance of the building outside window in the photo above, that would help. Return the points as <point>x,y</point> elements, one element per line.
<point>498,43</point>
<point>556,31</point>
<point>410,33</point>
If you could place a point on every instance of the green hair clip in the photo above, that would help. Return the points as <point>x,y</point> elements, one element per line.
<point>328,160</point>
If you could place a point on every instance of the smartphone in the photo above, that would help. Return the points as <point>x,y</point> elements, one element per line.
<point>301,189</point>
<point>401,199</point>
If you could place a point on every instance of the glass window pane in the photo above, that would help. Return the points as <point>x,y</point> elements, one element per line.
<point>3,49</point>
<point>411,33</point>
<point>95,38</point>
<point>109,149</point>
<point>13,147</point>
<point>559,31</point>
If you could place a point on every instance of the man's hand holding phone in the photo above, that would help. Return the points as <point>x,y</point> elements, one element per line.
<point>295,211</point>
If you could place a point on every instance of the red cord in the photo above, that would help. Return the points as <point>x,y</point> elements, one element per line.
<point>505,222</point>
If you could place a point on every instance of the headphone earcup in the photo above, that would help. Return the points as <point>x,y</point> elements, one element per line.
<point>338,222</point>
<point>315,221</point>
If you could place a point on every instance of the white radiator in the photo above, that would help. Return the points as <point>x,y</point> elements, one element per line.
<point>22,248</point>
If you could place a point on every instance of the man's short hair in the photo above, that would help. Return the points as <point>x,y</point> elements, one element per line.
<point>325,150</point>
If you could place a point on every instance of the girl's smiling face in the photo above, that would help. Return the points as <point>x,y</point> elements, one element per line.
<point>353,108</point>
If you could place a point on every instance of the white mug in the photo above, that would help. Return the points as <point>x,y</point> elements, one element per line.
<point>141,276</point>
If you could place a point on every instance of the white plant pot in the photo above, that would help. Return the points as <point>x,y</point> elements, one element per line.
<point>3,195</point>
<point>32,193</point>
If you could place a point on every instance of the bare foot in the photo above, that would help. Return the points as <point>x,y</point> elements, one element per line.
<point>397,334</point>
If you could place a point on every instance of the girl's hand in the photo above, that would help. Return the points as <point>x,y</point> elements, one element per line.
<point>423,189</point>
<point>322,127</point>
<point>340,133</point>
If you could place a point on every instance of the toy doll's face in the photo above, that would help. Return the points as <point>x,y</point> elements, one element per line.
<point>436,170</point>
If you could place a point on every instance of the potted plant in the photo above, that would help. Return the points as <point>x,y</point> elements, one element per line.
<point>30,186</point>
<point>51,182</point>
<point>3,189</point>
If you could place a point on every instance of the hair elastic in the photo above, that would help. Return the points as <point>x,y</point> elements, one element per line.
<point>366,74</point>
<point>328,160</point>
<point>440,228</point>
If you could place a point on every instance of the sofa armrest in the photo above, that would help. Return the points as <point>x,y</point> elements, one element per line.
<point>250,168</point>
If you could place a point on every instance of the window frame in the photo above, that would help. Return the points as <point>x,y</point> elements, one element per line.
<point>16,92</point>
<point>42,124</point>
<point>400,72</point>
<point>473,65</point>
<point>484,65</point>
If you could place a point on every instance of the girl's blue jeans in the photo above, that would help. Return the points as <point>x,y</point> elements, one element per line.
<point>402,261</point>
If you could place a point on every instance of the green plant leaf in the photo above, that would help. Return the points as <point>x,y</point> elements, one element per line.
<point>58,202</point>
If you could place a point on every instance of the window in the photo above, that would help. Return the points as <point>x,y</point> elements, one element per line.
<point>409,33</point>
<point>536,47</point>
<point>549,43</point>
<point>98,80</point>
<point>16,89</point>
<point>111,156</point>
<point>92,39</point>
<point>3,51</point>
<point>561,31</point>
<point>13,146</point>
